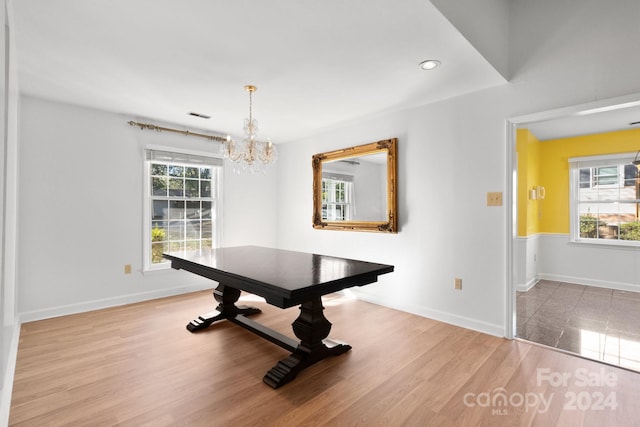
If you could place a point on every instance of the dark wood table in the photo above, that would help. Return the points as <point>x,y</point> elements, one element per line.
<point>284,279</point>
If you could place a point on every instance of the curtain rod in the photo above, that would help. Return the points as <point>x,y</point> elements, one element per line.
<point>183,132</point>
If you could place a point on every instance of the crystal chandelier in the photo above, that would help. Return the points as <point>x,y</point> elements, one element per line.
<point>251,154</point>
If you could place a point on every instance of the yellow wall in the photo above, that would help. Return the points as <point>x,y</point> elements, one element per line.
<point>528,149</point>
<point>550,160</point>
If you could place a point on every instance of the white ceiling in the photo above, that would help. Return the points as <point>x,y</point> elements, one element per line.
<point>317,64</point>
<point>607,120</point>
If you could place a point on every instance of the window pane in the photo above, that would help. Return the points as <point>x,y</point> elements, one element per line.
<point>630,231</point>
<point>160,209</point>
<point>193,210</point>
<point>176,170</point>
<point>608,193</point>
<point>193,230</point>
<point>176,209</point>
<point>192,245</point>
<point>157,169</point>
<point>176,230</point>
<point>206,244</point>
<point>158,231</point>
<point>176,246</point>
<point>608,213</point>
<point>159,186</point>
<point>191,188</point>
<point>205,188</point>
<point>176,187</point>
<point>205,173</point>
<point>607,227</point>
<point>207,229</point>
<point>156,252</point>
<point>206,210</point>
<point>588,227</point>
<point>191,172</point>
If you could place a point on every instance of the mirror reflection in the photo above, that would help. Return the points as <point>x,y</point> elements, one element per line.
<point>354,188</point>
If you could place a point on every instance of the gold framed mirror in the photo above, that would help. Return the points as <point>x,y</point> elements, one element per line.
<point>354,189</point>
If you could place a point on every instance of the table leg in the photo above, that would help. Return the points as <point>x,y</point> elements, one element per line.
<point>226,297</point>
<point>311,327</point>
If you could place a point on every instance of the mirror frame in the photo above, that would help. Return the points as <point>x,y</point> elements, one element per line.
<point>390,225</point>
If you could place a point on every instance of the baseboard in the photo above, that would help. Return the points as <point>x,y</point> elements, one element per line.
<point>64,310</point>
<point>441,316</point>
<point>7,386</point>
<point>524,287</point>
<point>591,282</point>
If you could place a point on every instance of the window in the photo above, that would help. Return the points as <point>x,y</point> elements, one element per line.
<point>337,197</point>
<point>605,205</point>
<point>181,204</point>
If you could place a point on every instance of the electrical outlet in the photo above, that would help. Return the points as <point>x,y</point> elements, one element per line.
<point>457,283</point>
<point>127,269</point>
<point>494,199</point>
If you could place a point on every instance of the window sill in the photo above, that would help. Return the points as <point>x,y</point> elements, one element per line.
<point>157,270</point>
<point>606,244</point>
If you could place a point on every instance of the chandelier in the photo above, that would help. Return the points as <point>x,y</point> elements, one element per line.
<point>251,154</point>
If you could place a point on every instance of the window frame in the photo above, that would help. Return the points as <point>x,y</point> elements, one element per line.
<point>181,156</point>
<point>575,165</point>
<point>329,184</point>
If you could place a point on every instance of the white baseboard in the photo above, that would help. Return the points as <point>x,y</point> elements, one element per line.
<point>591,282</point>
<point>30,316</point>
<point>7,386</point>
<point>524,287</point>
<point>441,316</point>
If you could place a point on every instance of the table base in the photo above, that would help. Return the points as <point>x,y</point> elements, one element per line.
<point>311,327</point>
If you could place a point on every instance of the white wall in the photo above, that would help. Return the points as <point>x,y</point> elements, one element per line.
<point>441,197</point>
<point>81,182</point>
<point>588,264</point>
<point>527,265</point>
<point>452,152</point>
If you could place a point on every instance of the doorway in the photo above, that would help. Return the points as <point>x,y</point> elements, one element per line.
<point>576,297</point>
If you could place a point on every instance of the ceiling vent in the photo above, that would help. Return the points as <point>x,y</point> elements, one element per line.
<point>200,115</point>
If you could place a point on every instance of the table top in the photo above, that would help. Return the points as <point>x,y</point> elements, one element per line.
<point>284,278</point>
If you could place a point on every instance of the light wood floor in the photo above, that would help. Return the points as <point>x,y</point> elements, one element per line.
<point>138,365</point>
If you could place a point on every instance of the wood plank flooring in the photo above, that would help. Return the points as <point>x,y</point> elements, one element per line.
<point>137,365</point>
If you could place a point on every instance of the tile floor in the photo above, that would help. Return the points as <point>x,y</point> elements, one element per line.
<point>598,323</point>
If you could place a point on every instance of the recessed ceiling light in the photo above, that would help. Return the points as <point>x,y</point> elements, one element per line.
<point>202,116</point>
<point>429,64</point>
